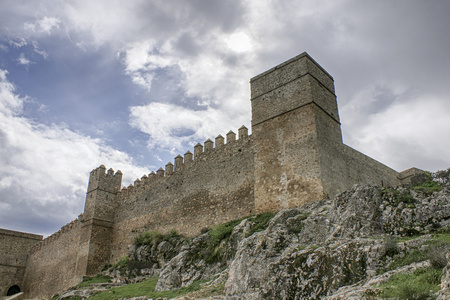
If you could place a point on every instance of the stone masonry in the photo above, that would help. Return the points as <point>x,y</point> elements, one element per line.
<point>294,155</point>
<point>14,250</point>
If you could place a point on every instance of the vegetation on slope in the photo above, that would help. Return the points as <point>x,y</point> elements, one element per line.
<point>411,237</point>
<point>422,284</point>
<point>147,288</point>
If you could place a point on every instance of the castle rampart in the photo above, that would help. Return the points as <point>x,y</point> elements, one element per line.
<point>294,155</point>
<point>193,197</point>
<point>52,264</point>
<point>299,154</point>
<point>15,247</point>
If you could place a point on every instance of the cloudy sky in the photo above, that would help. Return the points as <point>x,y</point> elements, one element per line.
<point>131,84</point>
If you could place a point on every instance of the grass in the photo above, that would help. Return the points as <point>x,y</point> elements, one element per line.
<point>390,247</point>
<point>87,280</point>
<point>428,186</point>
<point>151,238</point>
<point>400,197</point>
<point>145,288</point>
<point>222,232</point>
<point>261,221</point>
<point>122,264</point>
<point>411,257</point>
<point>442,237</point>
<point>422,284</point>
<point>437,249</point>
<point>214,252</point>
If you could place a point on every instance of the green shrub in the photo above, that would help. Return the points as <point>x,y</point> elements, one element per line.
<point>261,221</point>
<point>399,197</point>
<point>122,264</point>
<point>88,280</point>
<point>428,186</point>
<point>413,256</point>
<point>149,238</point>
<point>214,252</point>
<point>406,198</point>
<point>221,232</point>
<point>390,247</point>
<point>173,234</point>
<point>438,257</point>
<point>422,284</point>
<point>123,261</point>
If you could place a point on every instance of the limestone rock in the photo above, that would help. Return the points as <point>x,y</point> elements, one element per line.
<point>444,293</point>
<point>328,249</point>
<point>187,266</point>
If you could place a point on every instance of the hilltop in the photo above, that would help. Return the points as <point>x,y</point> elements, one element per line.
<point>366,243</point>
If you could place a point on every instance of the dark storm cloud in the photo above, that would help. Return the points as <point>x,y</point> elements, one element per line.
<point>187,44</point>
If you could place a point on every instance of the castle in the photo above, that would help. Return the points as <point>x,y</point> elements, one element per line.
<point>294,155</point>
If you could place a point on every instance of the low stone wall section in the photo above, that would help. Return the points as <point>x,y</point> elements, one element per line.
<point>52,263</point>
<point>14,249</point>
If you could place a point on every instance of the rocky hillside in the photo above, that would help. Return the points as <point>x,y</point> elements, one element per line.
<point>367,243</point>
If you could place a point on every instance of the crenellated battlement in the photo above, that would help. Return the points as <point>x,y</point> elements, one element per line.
<point>201,153</point>
<point>55,236</point>
<point>105,180</point>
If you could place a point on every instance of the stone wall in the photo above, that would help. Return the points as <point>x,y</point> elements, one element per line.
<point>14,249</point>
<point>51,266</point>
<point>215,187</point>
<point>295,155</point>
<point>293,108</point>
<point>98,220</point>
<point>342,166</point>
<point>287,170</point>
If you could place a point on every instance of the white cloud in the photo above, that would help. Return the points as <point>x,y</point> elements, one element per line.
<point>239,42</point>
<point>46,24</point>
<point>174,127</point>
<point>18,42</point>
<point>10,104</point>
<point>22,60</point>
<point>39,51</point>
<point>43,25</point>
<point>45,166</point>
<point>406,133</point>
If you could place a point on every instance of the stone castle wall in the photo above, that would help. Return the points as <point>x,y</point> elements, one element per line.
<point>295,155</point>
<point>52,263</point>
<point>14,249</point>
<point>299,153</point>
<point>215,187</point>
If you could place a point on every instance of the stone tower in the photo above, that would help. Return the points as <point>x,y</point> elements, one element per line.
<point>295,123</point>
<point>98,220</point>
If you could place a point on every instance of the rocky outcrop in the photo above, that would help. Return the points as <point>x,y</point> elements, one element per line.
<point>312,251</point>
<point>329,249</point>
<point>444,293</point>
<point>189,265</point>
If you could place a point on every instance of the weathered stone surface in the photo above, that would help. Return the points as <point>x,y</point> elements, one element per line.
<point>14,249</point>
<point>311,257</point>
<point>187,266</point>
<point>329,248</point>
<point>444,293</point>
